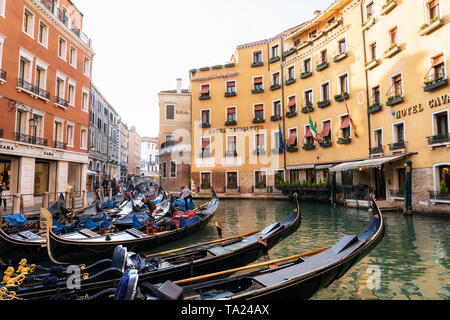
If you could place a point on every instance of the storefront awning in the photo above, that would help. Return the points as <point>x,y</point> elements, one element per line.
<point>300,167</point>
<point>92,173</point>
<point>323,166</point>
<point>368,163</point>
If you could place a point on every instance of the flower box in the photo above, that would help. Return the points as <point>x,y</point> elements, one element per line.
<point>340,56</point>
<point>307,109</point>
<point>231,154</point>
<point>344,140</point>
<point>433,85</point>
<point>428,28</point>
<point>302,45</point>
<point>306,74</point>
<point>377,150</point>
<point>310,146</point>
<point>258,120</point>
<point>372,64</point>
<point>274,59</point>
<point>229,65</point>
<point>259,152</point>
<point>374,108</point>
<point>275,87</point>
<point>322,66</point>
<point>323,104</point>
<point>394,100</point>
<point>204,97</point>
<point>275,118</point>
<point>204,69</point>
<point>291,114</point>
<point>332,25</point>
<point>230,94</point>
<point>217,67</point>
<point>291,148</point>
<point>369,23</point>
<point>254,91</point>
<point>325,143</point>
<point>393,50</point>
<point>290,81</point>
<point>231,123</point>
<point>205,125</point>
<point>257,64</point>
<point>386,8</point>
<point>341,97</point>
<point>288,52</point>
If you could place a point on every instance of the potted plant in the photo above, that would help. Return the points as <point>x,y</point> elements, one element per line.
<point>443,188</point>
<point>206,185</point>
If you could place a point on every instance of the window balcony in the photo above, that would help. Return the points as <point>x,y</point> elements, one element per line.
<point>326,143</point>
<point>168,144</point>
<point>306,74</point>
<point>59,145</point>
<point>428,28</point>
<point>289,81</point>
<point>289,52</point>
<point>308,108</point>
<point>368,24</point>
<point>275,118</point>
<point>205,125</point>
<point>292,148</point>
<point>392,50</point>
<point>341,97</point>
<point>259,120</point>
<point>332,25</point>
<point>302,45</point>
<point>372,64</point>
<point>25,86</point>
<point>397,146</point>
<point>275,86</point>
<point>375,107</point>
<point>439,140</point>
<point>60,102</point>
<point>309,146</point>
<point>231,153</point>
<point>204,97</point>
<point>432,85</point>
<point>377,151</point>
<point>41,93</point>
<point>230,123</point>
<point>323,104</point>
<point>322,66</point>
<point>386,8</point>
<point>344,140</point>
<point>20,137</point>
<point>259,152</point>
<point>257,64</point>
<point>257,90</point>
<point>394,100</point>
<point>274,59</point>
<point>2,76</point>
<point>230,94</point>
<point>291,114</point>
<point>340,56</point>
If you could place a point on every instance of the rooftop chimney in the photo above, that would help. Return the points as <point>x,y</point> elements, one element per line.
<point>317,13</point>
<point>179,85</point>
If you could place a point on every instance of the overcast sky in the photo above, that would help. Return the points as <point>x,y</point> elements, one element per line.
<point>142,46</point>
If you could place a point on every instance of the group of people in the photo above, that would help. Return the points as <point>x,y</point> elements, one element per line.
<point>109,183</point>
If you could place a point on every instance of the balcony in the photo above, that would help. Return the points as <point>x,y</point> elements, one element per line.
<point>205,96</point>
<point>60,102</point>
<point>399,146</point>
<point>439,140</point>
<point>289,52</point>
<point>20,137</point>
<point>340,56</point>
<point>368,24</point>
<point>275,86</point>
<point>205,125</point>
<point>332,25</point>
<point>344,140</point>
<point>230,123</point>
<point>274,59</point>
<point>322,66</point>
<point>2,76</point>
<point>434,84</point>
<point>323,104</point>
<point>168,144</point>
<point>302,45</point>
<point>372,64</point>
<point>275,118</point>
<point>392,50</point>
<point>257,64</point>
<point>59,145</point>
<point>326,143</point>
<point>230,94</point>
<point>377,151</point>
<point>292,148</point>
<point>291,114</point>
<point>41,93</point>
<point>308,108</point>
<point>309,146</point>
<point>306,74</point>
<point>428,28</point>
<point>394,100</point>
<point>257,90</point>
<point>25,86</point>
<point>289,81</point>
<point>259,120</point>
<point>375,107</point>
<point>386,8</point>
<point>341,97</point>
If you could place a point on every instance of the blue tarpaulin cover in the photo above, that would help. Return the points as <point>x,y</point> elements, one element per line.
<point>16,220</point>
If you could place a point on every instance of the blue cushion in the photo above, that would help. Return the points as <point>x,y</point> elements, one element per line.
<point>16,220</point>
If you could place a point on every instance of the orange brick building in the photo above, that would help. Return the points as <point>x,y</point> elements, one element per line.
<point>46,63</point>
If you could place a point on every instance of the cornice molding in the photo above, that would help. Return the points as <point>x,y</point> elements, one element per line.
<point>217,76</point>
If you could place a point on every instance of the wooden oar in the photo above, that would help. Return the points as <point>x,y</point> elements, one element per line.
<point>202,244</point>
<point>252,266</point>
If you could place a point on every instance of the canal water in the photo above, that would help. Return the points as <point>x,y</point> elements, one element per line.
<point>411,262</point>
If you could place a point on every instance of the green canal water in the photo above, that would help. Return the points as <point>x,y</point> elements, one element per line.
<point>412,260</point>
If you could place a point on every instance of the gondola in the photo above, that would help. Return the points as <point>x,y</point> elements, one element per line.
<point>299,278</point>
<point>73,247</point>
<point>175,264</point>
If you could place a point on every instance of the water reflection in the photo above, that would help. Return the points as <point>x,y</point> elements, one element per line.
<point>413,257</point>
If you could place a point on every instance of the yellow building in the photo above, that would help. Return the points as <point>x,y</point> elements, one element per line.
<point>356,72</point>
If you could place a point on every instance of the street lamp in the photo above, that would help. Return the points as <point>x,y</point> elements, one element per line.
<point>33,123</point>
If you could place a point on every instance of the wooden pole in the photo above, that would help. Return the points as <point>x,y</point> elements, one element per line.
<point>22,205</point>
<point>203,244</point>
<point>73,199</point>
<point>252,266</point>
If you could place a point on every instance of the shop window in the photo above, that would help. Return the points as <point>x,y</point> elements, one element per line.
<point>311,175</point>
<point>205,180</point>
<point>232,180</point>
<point>74,177</point>
<point>41,177</point>
<point>260,179</point>
<point>347,178</point>
<point>5,172</point>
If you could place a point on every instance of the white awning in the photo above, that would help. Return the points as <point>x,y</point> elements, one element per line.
<point>300,167</point>
<point>369,163</point>
<point>323,166</point>
<point>92,173</point>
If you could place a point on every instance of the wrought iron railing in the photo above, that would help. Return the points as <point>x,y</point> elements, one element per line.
<point>437,195</point>
<point>59,145</point>
<point>439,138</point>
<point>21,137</point>
<point>397,146</point>
<point>60,101</point>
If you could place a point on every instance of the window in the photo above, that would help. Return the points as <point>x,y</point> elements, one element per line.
<point>25,73</point>
<point>369,11</point>
<point>308,98</point>
<point>326,131</point>
<point>259,142</point>
<point>444,176</point>
<point>433,9</point>
<point>437,68</point>
<point>28,22</point>
<point>205,117</point>
<point>60,88</point>
<point>71,94</point>
<point>290,73</point>
<point>170,112</point>
<point>41,78</point>
<point>206,147</point>
<point>2,8</point>
<point>260,179</point>
<point>231,87</point>
<point>275,51</point>
<point>277,108</point>
<point>164,169</point>
<point>307,65</point>
<point>73,57</point>
<point>232,180</point>
<point>58,132</point>
<point>231,114</point>
<point>257,57</point>
<point>173,169</point>
<point>399,132</point>
<point>99,123</point>
<point>41,177</point>
<point>343,83</point>
<point>43,34</point>
<point>21,121</point>
<point>440,125</point>
<point>376,96</point>
<point>373,51</point>
<point>292,140</point>
<point>70,135</point>
<point>62,48</point>
<point>231,145</point>
<point>396,85</point>
<point>86,67</point>
<point>393,36</point>
<point>292,103</point>
<point>401,177</point>
<point>276,79</point>
<point>347,177</point>
<point>258,112</point>
<point>312,34</point>
<point>378,138</point>
<point>323,57</point>
<point>38,130</point>
<point>258,83</point>
<point>309,137</point>
<point>311,175</point>
<point>345,127</point>
<point>294,176</point>
<point>204,91</point>
<point>170,137</point>
<point>342,47</point>
<point>85,101</point>
<point>325,91</point>
<point>205,180</point>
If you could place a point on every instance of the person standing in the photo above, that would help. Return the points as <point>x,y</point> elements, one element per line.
<point>3,188</point>
<point>186,194</point>
<point>105,184</point>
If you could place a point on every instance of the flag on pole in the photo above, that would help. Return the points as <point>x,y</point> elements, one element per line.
<point>313,129</point>
<point>280,134</point>
<point>354,127</point>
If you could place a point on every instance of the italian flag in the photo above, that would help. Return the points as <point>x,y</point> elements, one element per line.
<point>313,129</point>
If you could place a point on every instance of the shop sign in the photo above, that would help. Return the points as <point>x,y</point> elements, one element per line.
<point>6,147</point>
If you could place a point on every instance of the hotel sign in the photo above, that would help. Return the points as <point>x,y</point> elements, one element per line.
<point>238,129</point>
<point>432,103</point>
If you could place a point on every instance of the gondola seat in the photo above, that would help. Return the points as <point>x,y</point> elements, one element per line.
<point>126,289</point>
<point>119,258</point>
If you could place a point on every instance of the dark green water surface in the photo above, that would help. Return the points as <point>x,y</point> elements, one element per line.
<point>412,259</point>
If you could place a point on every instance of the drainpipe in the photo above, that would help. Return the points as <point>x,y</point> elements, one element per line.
<point>408,189</point>
<point>282,104</point>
